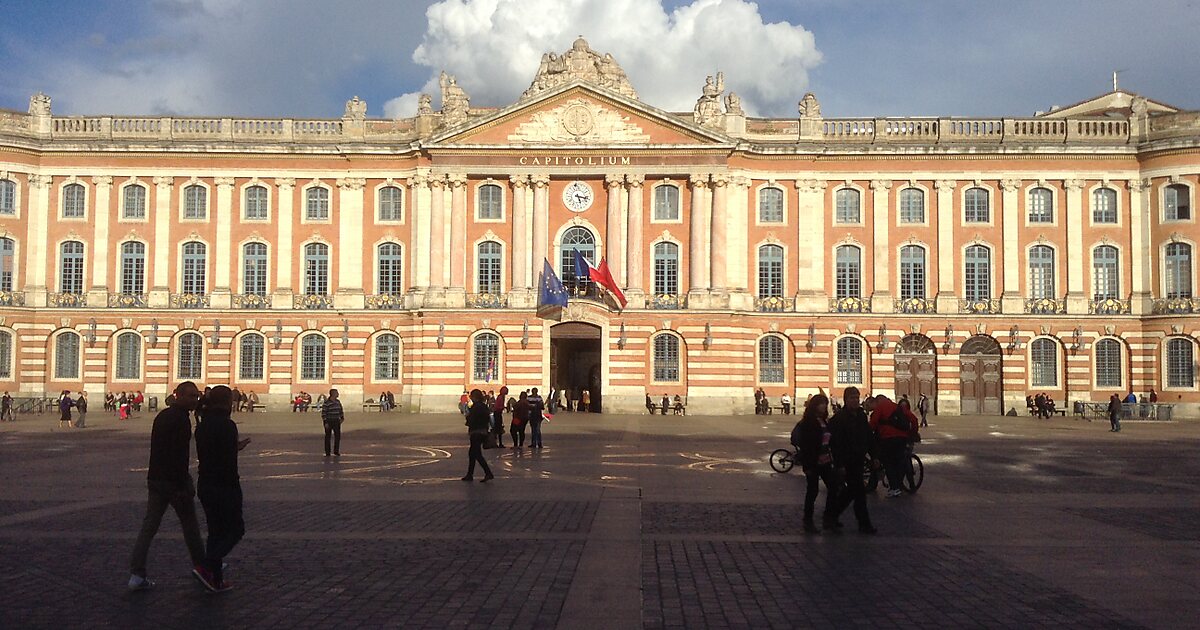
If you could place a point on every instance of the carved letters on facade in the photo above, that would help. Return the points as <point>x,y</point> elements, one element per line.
<point>579,120</point>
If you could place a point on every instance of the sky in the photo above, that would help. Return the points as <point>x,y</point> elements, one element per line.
<point>305,58</point>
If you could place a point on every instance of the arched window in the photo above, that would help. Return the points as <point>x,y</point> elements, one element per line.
<point>312,357</point>
<point>666,359</point>
<point>391,203</point>
<point>8,261</point>
<point>195,268</point>
<point>491,202</point>
<point>256,208</point>
<point>1181,366</point>
<point>576,238</point>
<point>912,272</point>
<point>1104,205</point>
<point>976,208</point>
<point>848,206</point>
<point>1041,272</point>
<point>1106,273</point>
<point>6,354</point>
<point>190,361</point>
<point>666,203</point>
<point>848,272</point>
<point>74,201</point>
<point>770,205</point>
<point>387,357</point>
<point>489,267</point>
<point>129,356</point>
<point>485,357</point>
<point>1044,356</point>
<point>133,268</point>
<point>316,204</point>
<point>770,360</point>
<point>849,361</point>
<point>1108,363</point>
<point>1178,272</point>
<point>666,268</point>
<point>391,269</point>
<point>71,267</point>
<point>912,205</point>
<point>977,274</point>
<point>1176,202</point>
<point>195,202</point>
<point>252,357</point>
<point>254,268</point>
<point>770,271</point>
<point>316,269</point>
<point>1041,205</point>
<point>8,196</point>
<point>133,204</point>
<point>66,356</point>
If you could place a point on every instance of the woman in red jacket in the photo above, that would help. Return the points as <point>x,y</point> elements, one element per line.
<point>896,426</point>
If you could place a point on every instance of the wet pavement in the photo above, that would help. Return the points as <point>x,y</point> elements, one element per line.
<point>620,522</point>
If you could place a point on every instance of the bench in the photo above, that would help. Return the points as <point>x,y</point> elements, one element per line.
<point>370,405</point>
<point>779,408</point>
<point>658,408</point>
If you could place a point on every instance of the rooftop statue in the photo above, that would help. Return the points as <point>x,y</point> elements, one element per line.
<point>356,109</point>
<point>809,107</point>
<point>580,63</point>
<point>39,104</point>
<point>708,106</point>
<point>456,104</point>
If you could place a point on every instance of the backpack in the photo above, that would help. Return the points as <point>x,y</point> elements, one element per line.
<point>899,419</point>
<point>796,432</point>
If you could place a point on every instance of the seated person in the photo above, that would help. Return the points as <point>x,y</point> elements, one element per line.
<point>678,405</point>
<point>649,404</point>
<point>666,404</point>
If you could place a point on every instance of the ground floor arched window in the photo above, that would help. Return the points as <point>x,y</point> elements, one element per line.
<point>666,359</point>
<point>771,365</point>
<point>485,351</point>
<point>849,361</point>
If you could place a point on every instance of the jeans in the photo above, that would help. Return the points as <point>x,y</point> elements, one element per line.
<point>162,494</point>
<point>814,478</point>
<point>82,421</point>
<point>854,492</point>
<point>1115,420</point>
<point>894,453</point>
<point>334,429</point>
<point>518,434</point>
<point>223,511</point>
<point>535,440</point>
<point>475,454</point>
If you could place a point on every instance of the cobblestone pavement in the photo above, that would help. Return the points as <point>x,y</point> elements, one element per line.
<point>621,522</point>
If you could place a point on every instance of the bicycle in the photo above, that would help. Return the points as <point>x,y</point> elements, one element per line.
<point>782,459</point>
<point>910,483</point>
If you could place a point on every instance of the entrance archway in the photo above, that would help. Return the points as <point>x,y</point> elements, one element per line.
<point>916,369</point>
<point>575,361</point>
<point>982,383</point>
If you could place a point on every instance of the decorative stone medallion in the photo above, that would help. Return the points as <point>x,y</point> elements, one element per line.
<point>578,120</point>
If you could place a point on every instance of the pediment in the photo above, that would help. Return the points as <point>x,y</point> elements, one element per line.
<point>1118,103</point>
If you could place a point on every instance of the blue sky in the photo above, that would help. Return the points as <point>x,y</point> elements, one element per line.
<point>304,58</point>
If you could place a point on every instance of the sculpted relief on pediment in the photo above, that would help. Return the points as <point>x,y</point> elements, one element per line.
<point>582,121</point>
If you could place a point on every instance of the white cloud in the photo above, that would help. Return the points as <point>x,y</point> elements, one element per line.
<point>493,47</point>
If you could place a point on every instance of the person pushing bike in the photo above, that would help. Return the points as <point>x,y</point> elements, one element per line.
<point>896,426</point>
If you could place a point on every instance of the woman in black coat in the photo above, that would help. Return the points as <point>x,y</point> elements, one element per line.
<point>478,424</point>
<point>816,458</point>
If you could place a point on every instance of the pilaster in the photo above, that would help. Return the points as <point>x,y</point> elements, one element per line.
<point>422,213</point>
<point>159,294</point>
<point>349,293</point>
<point>613,243</point>
<point>1139,231</point>
<point>696,251</point>
<point>812,296</point>
<point>541,217</point>
<point>285,188</point>
<point>222,295</point>
<point>881,295</point>
<point>635,269</point>
<point>98,292</point>
<point>37,239</point>
<point>947,301</point>
<point>719,249</point>
<point>738,212</point>
<point>458,231</point>
<point>1077,301</point>
<point>520,234</point>
<point>437,231</point>
<point>1011,300</point>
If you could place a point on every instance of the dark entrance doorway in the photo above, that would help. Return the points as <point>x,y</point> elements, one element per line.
<point>575,363</point>
<point>916,370</point>
<point>982,385</point>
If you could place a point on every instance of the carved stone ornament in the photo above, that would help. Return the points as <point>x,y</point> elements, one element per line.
<point>773,327</point>
<point>1176,329</point>
<point>39,105</point>
<point>708,107</point>
<point>809,106</point>
<point>980,329</point>
<point>456,104</point>
<point>580,63</point>
<point>126,322</point>
<point>356,109</point>
<point>65,322</point>
<point>1110,329</point>
<point>666,324</point>
<point>733,105</point>
<point>851,327</point>
<point>189,323</point>
<point>915,329</point>
<point>250,324</point>
<point>579,120</point>
<point>1045,329</point>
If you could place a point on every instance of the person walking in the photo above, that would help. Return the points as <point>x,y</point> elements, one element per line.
<point>498,416</point>
<point>923,408</point>
<point>64,408</point>
<point>812,439</point>
<point>536,407</point>
<point>585,401</point>
<point>6,408</point>
<point>81,404</point>
<point>332,416</point>
<point>561,401</point>
<point>896,427</point>
<point>851,441</point>
<point>478,421</point>
<point>219,486</point>
<point>1114,412</point>
<point>519,420</point>
<point>169,483</point>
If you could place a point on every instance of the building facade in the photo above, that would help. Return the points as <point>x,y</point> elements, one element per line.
<point>976,260</point>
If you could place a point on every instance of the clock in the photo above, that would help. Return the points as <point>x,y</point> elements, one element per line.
<point>578,196</point>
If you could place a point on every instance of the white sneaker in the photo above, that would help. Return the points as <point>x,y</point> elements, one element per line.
<point>139,583</point>
<point>893,494</point>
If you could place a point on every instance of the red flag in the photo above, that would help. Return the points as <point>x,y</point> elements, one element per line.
<point>603,277</point>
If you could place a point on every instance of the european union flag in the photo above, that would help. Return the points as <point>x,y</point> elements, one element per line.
<point>552,296</point>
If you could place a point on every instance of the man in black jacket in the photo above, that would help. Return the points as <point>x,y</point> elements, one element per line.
<point>218,485</point>
<point>850,441</point>
<point>332,416</point>
<point>169,482</point>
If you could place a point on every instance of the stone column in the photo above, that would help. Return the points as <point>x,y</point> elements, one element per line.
<point>222,294</point>
<point>458,232</point>
<point>635,267</point>
<point>813,297</point>
<point>719,246</point>
<point>881,268</point>
<point>613,244</point>
<point>285,189</point>
<point>350,244</point>
<point>98,291</point>
<point>541,218</point>
<point>1141,286</point>
<point>520,235</point>
<point>160,291</point>
<point>437,231</point>
<point>947,301</point>
<point>1010,297</point>
<point>697,266</point>
<point>422,203</point>
<point>1077,300</point>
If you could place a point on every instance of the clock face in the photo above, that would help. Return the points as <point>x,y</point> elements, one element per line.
<point>578,196</point>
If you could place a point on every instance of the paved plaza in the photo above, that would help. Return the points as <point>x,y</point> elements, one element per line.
<point>620,522</point>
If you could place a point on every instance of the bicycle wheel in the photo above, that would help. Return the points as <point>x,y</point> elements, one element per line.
<point>781,460</point>
<point>915,475</point>
<point>871,477</point>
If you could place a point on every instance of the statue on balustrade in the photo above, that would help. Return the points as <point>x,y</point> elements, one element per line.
<point>39,105</point>
<point>456,104</point>
<point>708,106</point>
<point>809,107</point>
<point>424,105</point>
<point>733,105</point>
<point>356,109</point>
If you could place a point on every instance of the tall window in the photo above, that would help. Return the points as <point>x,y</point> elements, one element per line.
<point>256,208</point>
<point>666,269</point>
<point>1104,205</point>
<point>489,267</point>
<point>6,354</point>
<point>1044,354</point>
<point>1106,272</point>
<point>254,268</point>
<point>195,202</point>
<point>1181,367</point>
<point>1108,363</point>
<point>129,356</point>
<point>581,239</point>
<point>485,357</point>
<point>848,208</point>
<point>975,206</point>
<point>770,360</point>
<point>195,268</point>
<point>1175,200</point>
<point>491,205</point>
<point>666,203</point>
<point>251,357</point>
<point>1041,205</point>
<point>391,203</point>
<point>133,204</point>
<point>977,273</point>
<point>1178,274</point>
<point>770,271</point>
<point>912,205</point>
<point>912,272</point>
<point>391,269</point>
<point>316,269</point>
<point>133,268</point>
<point>74,201</point>
<point>1041,272</point>
<point>8,259</point>
<point>8,196</point>
<point>770,205</point>
<point>66,356</point>
<point>316,204</point>
<point>312,357</point>
<point>71,266</point>
<point>848,272</point>
<point>387,357</point>
<point>190,362</point>
<point>666,359</point>
<point>849,361</point>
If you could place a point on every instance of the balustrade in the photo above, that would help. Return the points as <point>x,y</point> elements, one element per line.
<point>66,300</point>
<point>487,300</point>
<point>188,300</point>
<point>312,302</point>
<point>1175,306</point>
<point>251,300</point>
<point>1110,306</point>
<point>12,298</point>
<point>849,305</point>
<point>774,304</point>
<point>1046,306</point>
<point>665,301</point>
<point>126,300</point>
<point>915,305</point>
<point>979,307</point>
<point>385,301</point>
